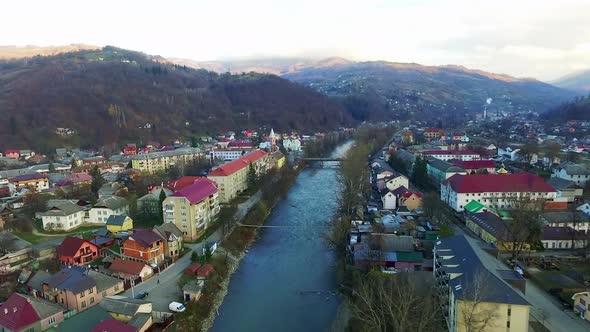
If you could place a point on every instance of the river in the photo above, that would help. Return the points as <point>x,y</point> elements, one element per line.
<point>286,281</point>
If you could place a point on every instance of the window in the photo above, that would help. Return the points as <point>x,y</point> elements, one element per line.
<point>51,320</point>
<point>509,312</point>
<point>91,300</point>
<point>83,304</point>
<point>91,291</point>
<point>82,294</point>
<point>508,324</point>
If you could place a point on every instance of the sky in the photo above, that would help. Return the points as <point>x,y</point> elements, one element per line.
<point>525,38</point>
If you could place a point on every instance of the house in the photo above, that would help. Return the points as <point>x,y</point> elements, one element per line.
<point>76,251</point>
<point>27,314</point>
<point>412,200</point>
<point>84,321</point>
<point>490,228</point>
<point>118,223</point>
<point>389,200</point>
<point>475,166</point>
<point>102,242</point>
<point>395,181</point>
<point>72,289</point>
<point>232,178</point>
<point>434,133</point>
<point>192,290</point>
<point>15,255</point>
<point>277,160</point>
<point>567,190</point>
<point>75,180</point>
<point>582,304</point>
<point>201,271</point>
<point>572,172</point>
<point>130,269</point>
<point>494,189</point>
<point>408,137</point>
<point>150,203</point>
<point>134,312</point>
<point>439,170</point>
<point>35,181</point>
<point>172,237</point>
<point>12,154</point>
<point>563,238</point>
<point>389,251</point>
<point>113,325</point>
<point>62,215</point>
<point>130,150</point>
<point>192,208</point>
<point>106,207</point>
<point>462,279</point>
<point>447,155</point>
<point>576,220</point>
<point>145,246</point>
<point>105,284</point>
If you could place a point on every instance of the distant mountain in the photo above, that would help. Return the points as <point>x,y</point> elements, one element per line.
<point>578,81</point>
<point>276,66</point>
<point>576,109</point>
<point>17,52</point>
<point>380,89</point>
<point>114,96</point>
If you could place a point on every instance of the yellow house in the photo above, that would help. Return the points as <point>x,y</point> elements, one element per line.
<point>153,162</point>
<point>473,297</point>
<point>582,304</point>
<point>277,159</point>
<point>118,223</point>
<point>490,228</point>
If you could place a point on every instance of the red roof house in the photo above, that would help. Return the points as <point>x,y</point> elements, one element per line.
<point>113,325</point>
<point>23,313</point>
<point>238,164</point>
<point>197,191</point>
<point>130,269</point>
<point>13,154</point>
<point>144,245</point>
<point>130,150</point>
<point>192,269</point>
<point>185,181</point>
<point>499,183</point>
<point>76,251</point>
<point>75,179</point>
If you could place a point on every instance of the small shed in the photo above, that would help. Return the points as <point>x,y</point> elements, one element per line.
<point>192,290</point>
<point>205,271</point>
<point>192,269</point>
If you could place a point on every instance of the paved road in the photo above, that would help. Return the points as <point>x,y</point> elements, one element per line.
<point>167,290</point>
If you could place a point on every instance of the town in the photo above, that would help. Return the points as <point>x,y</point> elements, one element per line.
<point>121,243</point>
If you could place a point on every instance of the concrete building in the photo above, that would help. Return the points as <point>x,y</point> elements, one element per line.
<point>494,190</point>
<point>232,178</point>
<point>104,208</point>
<point>192,208</point>
<point>439,170</point>
<point>153,162</point>
<point>572,172</point>
<point>469,293</point>
<point>38,182</point>
<point>447,155</point>
<point>228,154</point>
<point>62,215</point>
<point>567,190</point>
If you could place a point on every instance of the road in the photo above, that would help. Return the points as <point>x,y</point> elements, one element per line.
<point>167,290</point>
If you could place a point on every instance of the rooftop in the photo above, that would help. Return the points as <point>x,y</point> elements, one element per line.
<point>145,237</point>
<point>489,222</point>
<point>498,183</point>
<point>238,164</point>
<point>197,191</point>
<point>71,245</point>
<point>127,266</point>
<point>70,279</point>
<point>20,311</point>
<point>116,220</point>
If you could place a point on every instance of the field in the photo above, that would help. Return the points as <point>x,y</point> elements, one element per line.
<point>563,283</point>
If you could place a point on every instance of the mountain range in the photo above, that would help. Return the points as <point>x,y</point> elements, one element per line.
<point>577,81</point>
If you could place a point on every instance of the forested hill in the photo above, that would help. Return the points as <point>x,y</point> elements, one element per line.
<point>577,109</point>
<point>112,95</point>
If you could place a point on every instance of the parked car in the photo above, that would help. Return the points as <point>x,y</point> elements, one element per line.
<point>142,295</point>
<point>176,307</point>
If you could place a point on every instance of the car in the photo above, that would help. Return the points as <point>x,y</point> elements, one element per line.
<point>176,307</point>
<point>142,295</point>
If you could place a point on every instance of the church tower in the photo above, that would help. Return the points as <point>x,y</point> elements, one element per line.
<point>273,140</point>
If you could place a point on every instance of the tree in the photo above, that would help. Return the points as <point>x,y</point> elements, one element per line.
<point>524,226</point>
<point>420,173</point>
<point>552,150</point>
<point>475,312</point>
<point>34,202</point>
<point>194,142</point>
<point>353,175</point>
<point>207,254</point>
<point>161,203</point>
<point>398,164</point>
<point>252,177</point>
<point>51,167</point>
<point>529,149</point>
<point>195,257</point>
<point>572,156</point>
<point>97,180</point>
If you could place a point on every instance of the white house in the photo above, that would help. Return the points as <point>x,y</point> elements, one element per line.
<point>578,221</point>
<point>228,154</point>
<point>452,154</point>
<point>567,190</point>
<point>494,190</point>
<point>563,238</point>
<point>573,172</point>
<point>389,200</point>
<point>396,181</point>
<point>292,144</point>
<point>104,208</point>
<point>62,215</point>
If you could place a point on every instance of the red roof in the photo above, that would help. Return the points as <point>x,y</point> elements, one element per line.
<point>473,164</point>
<point>71,244</point>
<point>75,178</point>
<point>433,130</point>
<point>113,325</point>
<point>127,266</point>
<point>184,182</point>
<point>17,313</point>
<point>12,152</point>
<point>451,152</point>
<point>409,194</point>
<point>241,144</point>
<point>236,165</point>
<point>205,270</point>
<point>499,183</point>
<point>192,269</point>
<point>197,191</point>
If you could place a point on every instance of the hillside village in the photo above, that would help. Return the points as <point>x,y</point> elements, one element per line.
<point>87,237</point>
<point>504,207</point>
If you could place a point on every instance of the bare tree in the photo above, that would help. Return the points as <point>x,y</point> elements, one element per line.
<point>476,314</point>
<point>524,226</point>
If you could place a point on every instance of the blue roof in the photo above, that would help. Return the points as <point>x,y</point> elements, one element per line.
<point>473,272</point>
<point>72,279</point>
<point>100,240</point>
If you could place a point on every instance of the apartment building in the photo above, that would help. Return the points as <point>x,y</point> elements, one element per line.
<point>153,162</point>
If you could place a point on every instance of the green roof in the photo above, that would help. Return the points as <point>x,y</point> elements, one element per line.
<point>474,206</point>
<point>415,256</point>
<point>85,320</point>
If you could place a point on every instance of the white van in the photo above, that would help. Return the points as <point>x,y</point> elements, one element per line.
<point>176,307</point>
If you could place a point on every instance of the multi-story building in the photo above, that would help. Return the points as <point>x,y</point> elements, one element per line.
<point>439,170</point>
<point>76,251</point>
<point>494,190</point>
<point>36,181</point>
<point>173,239</point>
<point>145,246</point>
<point>473,296</point>
<point>104,208</point>
<point>72,288</point>
<point>573,172</point>
<point>434,133</point>
<point>563,238</point>
<point>232,177</point>
<point>229,154</point>
<point>579,221</point>
<point>476,166</point>
<point>447,155</point>
<point>23,313</point>
<point>62,215</point>
<point>153,162</point>
<point>567,190</point>
<point>292,144</point>
<point>192,208</point>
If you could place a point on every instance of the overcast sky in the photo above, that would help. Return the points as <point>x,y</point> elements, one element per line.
<point>533,38</point>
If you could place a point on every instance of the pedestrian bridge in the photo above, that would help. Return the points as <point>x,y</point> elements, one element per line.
<point>320,159</point>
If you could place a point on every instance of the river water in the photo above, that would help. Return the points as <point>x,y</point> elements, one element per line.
<point>286,282</point>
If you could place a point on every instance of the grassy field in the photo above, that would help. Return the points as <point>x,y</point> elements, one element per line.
<point>32,238</point>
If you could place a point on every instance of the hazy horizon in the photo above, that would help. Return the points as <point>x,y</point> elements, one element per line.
<point>545,40</point>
